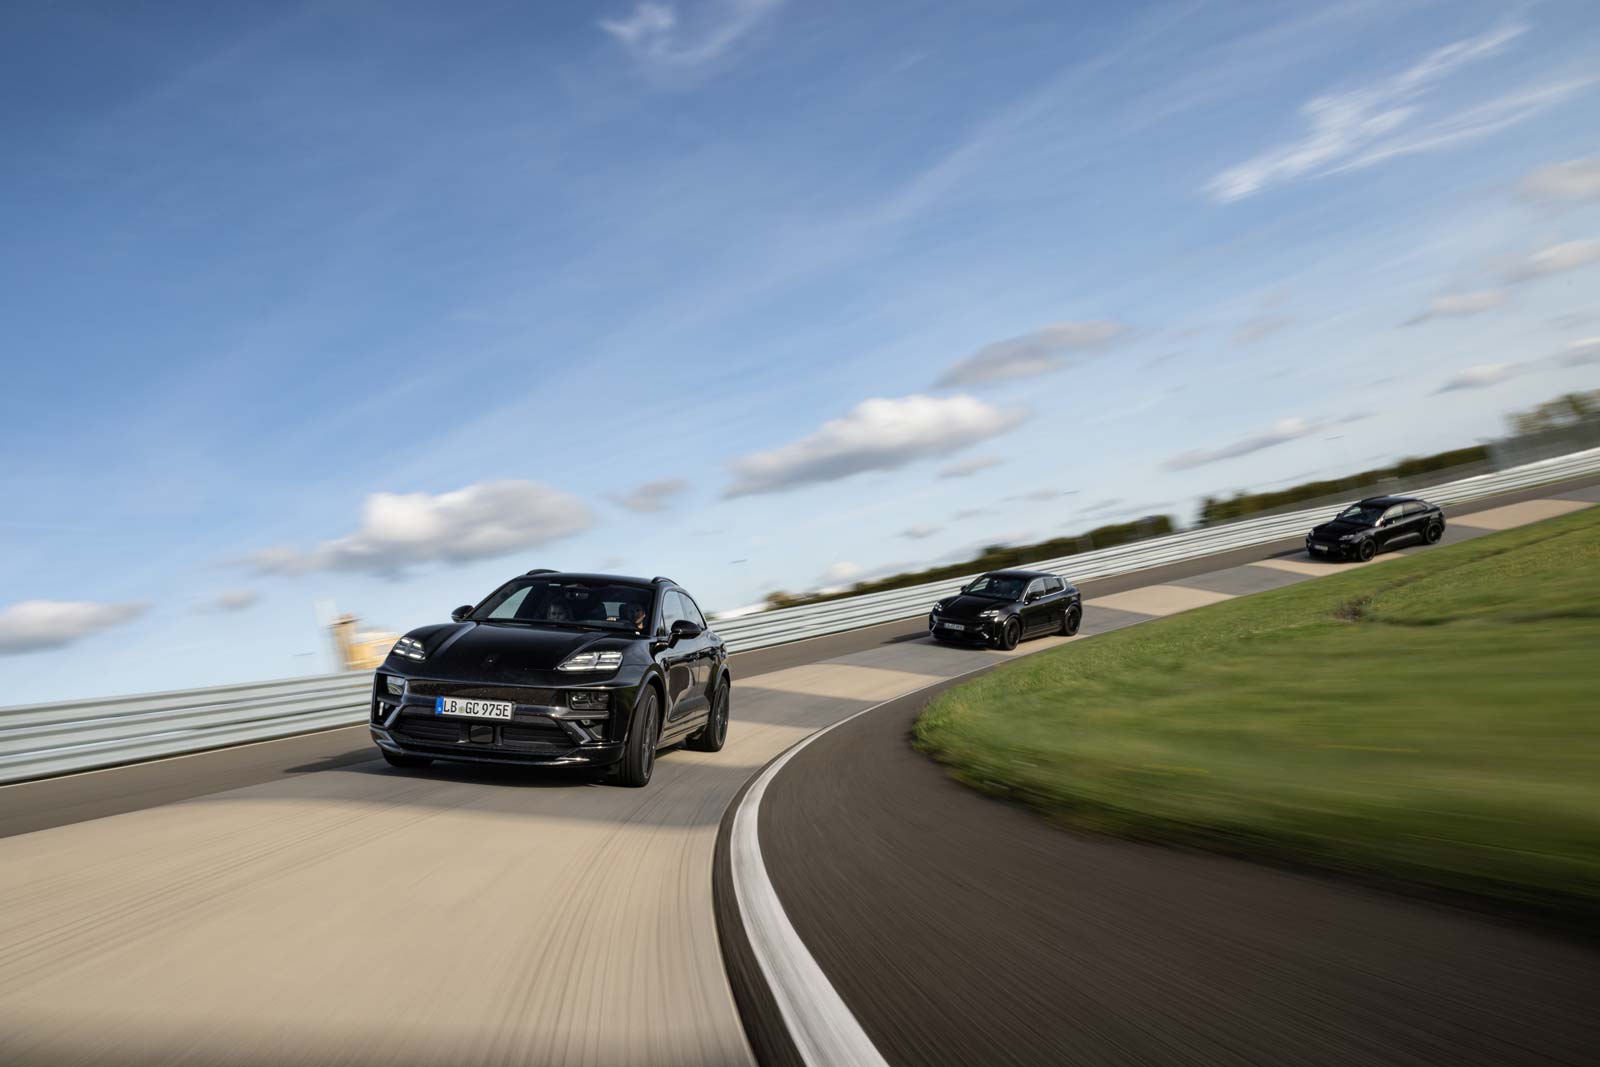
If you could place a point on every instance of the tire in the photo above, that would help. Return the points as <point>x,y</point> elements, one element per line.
<point>1010,634</point>
<point>714,734</point>
<point>1366,550</point>
<point>410,763</point>
<point>1433,533</point>
<point>1071,620</point>
<point>639,754</point>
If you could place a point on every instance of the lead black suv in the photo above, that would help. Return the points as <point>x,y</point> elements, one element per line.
<point>1003,607</point>
<point>556,669</point>
<point>1366,527</point>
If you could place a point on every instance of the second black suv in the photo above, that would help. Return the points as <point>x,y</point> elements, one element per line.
<point>1378,522</point>
<point>551,669</point>
<point>1002,607</point>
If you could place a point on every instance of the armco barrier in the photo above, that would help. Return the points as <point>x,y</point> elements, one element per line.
<point>41,740</point>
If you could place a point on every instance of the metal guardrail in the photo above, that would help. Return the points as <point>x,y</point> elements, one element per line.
<point>43,740</point>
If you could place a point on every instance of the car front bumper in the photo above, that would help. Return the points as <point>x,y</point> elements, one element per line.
<point>598,754</point>
<point>973,631</point>
<point>1330,549</point>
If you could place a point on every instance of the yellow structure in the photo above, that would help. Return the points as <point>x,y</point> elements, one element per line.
<point>361,651</point>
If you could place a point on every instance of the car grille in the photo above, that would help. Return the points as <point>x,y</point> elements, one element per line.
<point>514,694</point>
<point>427,728</point>
<point>534,733</point>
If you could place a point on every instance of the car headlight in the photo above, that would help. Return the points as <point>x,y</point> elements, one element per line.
<point>992,613</point>
<point>408,647</point>
<point>1350,537</point>
<point>395,685</point>
<point>592,661</point>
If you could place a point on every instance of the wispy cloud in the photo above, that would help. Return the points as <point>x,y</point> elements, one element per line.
<point>1040,496</point>
<point>919,532</point>
<point>652,496</point>
<point>35,625</point>
<point>1481,377</point>
<point>1360,127</point>
<point>1254,330</point>
<point>966,468</point>
<point>230,600</point>
<point>1576,181</point>
<point>875,435</point>
<point>1282,432</point>
<point>1556,259</point>
<point>478,522</point>
<point>689,36</point>
<point>1458,305</point>
<point>1031,354</point>
<point>1581,353</point>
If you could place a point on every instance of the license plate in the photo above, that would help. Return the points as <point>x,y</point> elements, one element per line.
<point>952,626</point>
<point>473,709</point>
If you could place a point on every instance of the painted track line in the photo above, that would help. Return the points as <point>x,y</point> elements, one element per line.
<point>822,1027</point>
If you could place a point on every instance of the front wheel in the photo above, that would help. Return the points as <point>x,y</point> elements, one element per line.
<point>1365,551</point>
<point>1071,621</point>
<point>410,763</point>
<point>1010,634</point>
<point>714,733</point>
<point>639,754</point>
<point>1433,533</point>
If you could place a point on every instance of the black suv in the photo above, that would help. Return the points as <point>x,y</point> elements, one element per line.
<point>1378,522</point>
<point>557,670</point>
<point>1003,607</point>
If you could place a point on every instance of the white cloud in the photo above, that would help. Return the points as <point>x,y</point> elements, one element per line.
<point>478,522</point>
<point>1480,377</point>
<point>1282,432</point>
<point>1457,305</point>
<point>875,435</point>
<point>1359,127</point>
<point>1256,329</point>
<point>34,625</point>
<point>920,531</point>
<point>966,468</point>
<point>660,34</point>
<point>652,496</point>
<point>1581,353</point>
<point>841,573</point>
<point>1039,496</point>
<point>1572,182</point>
<point>1569,255</point>
<point>1031,354</point>
<point>232,600</point>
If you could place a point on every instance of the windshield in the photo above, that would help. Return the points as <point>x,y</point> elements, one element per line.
<point>569,603</point>
<point>1363,514</point>
<point>998,587</point>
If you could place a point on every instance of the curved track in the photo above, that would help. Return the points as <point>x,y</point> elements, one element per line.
<point>298,901</point>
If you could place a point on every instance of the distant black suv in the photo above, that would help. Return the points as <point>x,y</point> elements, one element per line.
<point>557,670</point>
<point>1003,607</point>
<point>1361,530</point>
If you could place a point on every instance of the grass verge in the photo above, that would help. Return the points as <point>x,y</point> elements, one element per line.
<point>1433,719</point>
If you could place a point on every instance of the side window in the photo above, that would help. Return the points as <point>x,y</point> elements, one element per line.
<point>1052,585</point>
<point>1415,508</point>
<point>1034,587</point>
<point>671,610</point>
<point>691,610</point>
<point>1392,514</point>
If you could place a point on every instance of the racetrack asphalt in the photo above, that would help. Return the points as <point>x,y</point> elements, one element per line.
<point>298,901</point>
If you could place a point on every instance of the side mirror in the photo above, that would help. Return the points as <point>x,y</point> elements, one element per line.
<point>684,630</point>
<point>461,613</point>
<point>1031,597</point>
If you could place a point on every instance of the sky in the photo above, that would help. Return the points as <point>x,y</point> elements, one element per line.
<point>377,305</point>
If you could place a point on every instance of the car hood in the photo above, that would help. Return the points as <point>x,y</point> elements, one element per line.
<point>968,607</point>
<point>1332,531</point>
<point>488,652</point>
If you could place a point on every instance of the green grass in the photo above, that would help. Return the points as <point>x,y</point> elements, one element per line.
<point>1433,719</point>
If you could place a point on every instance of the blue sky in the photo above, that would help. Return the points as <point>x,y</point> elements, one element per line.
<point>382,303</point>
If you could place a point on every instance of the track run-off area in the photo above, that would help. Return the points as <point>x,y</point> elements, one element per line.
<point>299,901</point>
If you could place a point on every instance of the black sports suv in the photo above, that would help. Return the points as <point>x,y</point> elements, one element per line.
<point>1002,607</point>
<point>1378,522</point>
<point>557,670</point>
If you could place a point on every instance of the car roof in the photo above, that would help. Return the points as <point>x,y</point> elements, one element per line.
<point>1385,501</point>
<point>587,577</point>
<point>1010,573</point>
